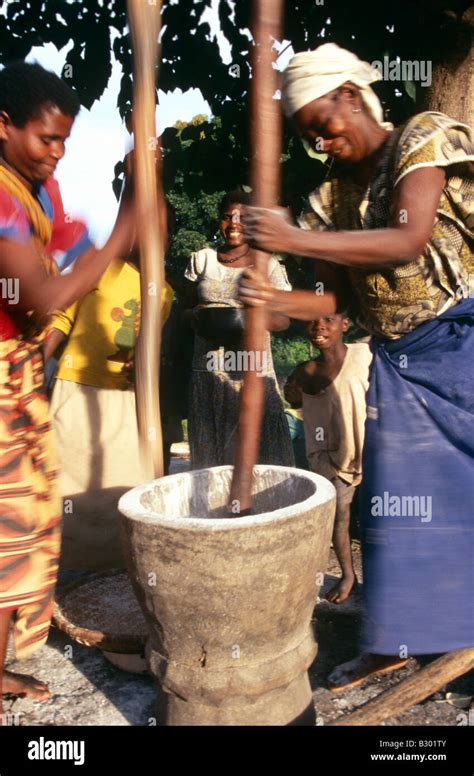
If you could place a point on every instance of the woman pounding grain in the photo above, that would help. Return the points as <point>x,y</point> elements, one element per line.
<point>392,230</point>
<point>37,111</point>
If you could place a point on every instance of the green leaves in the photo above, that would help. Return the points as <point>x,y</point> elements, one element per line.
<point>212,154</point>
<point>410,89</point>
<point>311,152</point>
<point>191,53</point>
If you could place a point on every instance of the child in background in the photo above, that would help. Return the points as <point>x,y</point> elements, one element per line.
<point>333,387</point>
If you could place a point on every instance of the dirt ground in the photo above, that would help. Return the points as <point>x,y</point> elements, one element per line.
<point>337,631</point>
<point>88,690</point>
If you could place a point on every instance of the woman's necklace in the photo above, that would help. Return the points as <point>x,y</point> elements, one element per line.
<point>236,258</point>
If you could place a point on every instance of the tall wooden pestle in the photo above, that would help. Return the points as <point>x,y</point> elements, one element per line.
<point>265,129</point>
<point>145,22</point>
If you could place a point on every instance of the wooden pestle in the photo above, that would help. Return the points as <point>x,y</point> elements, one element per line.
<point>265,128</point>
<point>145,21</point>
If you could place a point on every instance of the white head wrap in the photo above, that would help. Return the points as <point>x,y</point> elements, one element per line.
<point>312,74</point>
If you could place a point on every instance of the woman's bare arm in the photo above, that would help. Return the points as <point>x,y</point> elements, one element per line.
<point>43,294</point>
<point>277,322</point>
<point>301,305</point>
<point>53,340</point>
<point>333,294</point>
<point>416,199</point>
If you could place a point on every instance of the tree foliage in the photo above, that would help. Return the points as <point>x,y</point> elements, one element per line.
<point>411,29</point>
<point>211,154</point>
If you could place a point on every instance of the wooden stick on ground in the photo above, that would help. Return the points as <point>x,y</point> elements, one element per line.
<point>414,689</point>
<point>265,181</point>
<point>145,22</point>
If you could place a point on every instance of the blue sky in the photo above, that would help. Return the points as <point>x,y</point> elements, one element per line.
<point>99,140</point>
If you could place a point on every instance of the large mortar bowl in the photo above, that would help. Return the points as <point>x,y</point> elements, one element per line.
<point>229,601</point>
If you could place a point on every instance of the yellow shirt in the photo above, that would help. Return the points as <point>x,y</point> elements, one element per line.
<point>102,328</point>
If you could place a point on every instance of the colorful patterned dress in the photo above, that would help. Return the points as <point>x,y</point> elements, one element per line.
<point>417,491</point>
<point>30,508</point>
<point>215,393</point>
<point>396,300</point>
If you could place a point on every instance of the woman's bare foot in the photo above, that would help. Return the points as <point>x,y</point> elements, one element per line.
<point>341,592</point>
<point>356,671</point>
<point>21,684</point>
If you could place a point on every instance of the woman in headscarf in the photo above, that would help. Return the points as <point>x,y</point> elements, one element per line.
<point>391,229</point>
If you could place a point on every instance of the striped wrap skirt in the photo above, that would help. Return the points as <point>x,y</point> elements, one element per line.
<point>30,508</point>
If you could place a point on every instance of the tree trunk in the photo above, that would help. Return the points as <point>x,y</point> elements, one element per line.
<point>452,86</point>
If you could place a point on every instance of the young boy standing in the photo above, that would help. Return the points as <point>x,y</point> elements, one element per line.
<point>333,387</point>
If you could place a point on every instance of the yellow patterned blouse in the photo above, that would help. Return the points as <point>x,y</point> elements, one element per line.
<point>392,302</point>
